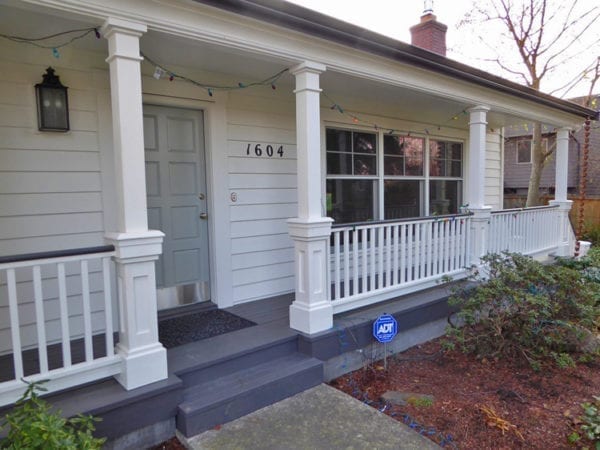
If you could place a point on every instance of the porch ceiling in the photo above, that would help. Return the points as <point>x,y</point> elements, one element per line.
<point>374,98</point>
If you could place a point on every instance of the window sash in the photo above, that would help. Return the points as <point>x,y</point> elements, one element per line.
<point>421,182</point>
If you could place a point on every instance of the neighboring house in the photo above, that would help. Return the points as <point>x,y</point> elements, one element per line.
<point>517,162</point>
<point>165,192</point>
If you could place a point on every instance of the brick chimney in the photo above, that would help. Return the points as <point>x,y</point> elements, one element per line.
<point>429,34</point>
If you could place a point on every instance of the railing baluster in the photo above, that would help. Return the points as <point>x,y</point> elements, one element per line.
<point>461,243</point>
<point>64,315</point>
<point>380,247</point>
<point>395,268</point>
<point>372,248</point>
<point>15,328</point>
<point>402,253</point>
<point>55,329</point>
<point>336,263</point>
<point>410,242</point>
<point>110,345</point>
<point>40,318</point>
<point>346,263</point>
<point>452,243</point>
<point>417,246</point>
<point>354,261</point>
<point>388,255</point>
<point>423,250</point>
<point>365,263</point>
<point>428,248</point>
<point>434,245</point>
<point>87,312</point>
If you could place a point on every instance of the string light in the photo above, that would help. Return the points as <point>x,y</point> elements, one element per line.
<point>210,88</point>
<point>79,33</point>
<point>389,131</point>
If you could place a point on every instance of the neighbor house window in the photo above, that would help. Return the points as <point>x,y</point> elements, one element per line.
<point>372,176</point>
<point>525,150</point>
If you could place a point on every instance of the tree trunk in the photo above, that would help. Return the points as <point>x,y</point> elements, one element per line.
<point>537,164</point>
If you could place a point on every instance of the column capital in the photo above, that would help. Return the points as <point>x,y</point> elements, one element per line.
<point>138,246</point>
<point>563,132</point>
<point>114,25</point>
<point>478,108</point>
<point>563,205</point>
<point>308,66</point>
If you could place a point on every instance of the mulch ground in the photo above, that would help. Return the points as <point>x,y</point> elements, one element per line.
<point>536,409</point>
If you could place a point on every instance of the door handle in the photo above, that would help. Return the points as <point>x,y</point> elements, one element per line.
<point>203,216</point>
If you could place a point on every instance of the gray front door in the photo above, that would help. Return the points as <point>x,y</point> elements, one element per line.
<point>176,194</point>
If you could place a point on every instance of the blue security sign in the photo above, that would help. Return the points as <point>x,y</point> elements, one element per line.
<point>385,328</point>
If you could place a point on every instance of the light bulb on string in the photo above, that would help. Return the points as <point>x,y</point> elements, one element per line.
<point>55,53</point>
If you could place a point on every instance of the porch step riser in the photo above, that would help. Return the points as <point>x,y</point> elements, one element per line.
<point>216,370</point>
<point>196,414</point>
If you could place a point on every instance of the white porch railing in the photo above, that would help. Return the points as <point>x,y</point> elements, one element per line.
<point>371,262</point>
<point>527,231</point>
<point>60,319</point>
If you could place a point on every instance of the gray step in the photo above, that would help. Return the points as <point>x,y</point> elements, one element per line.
<point>231,396</point>
<point>224,363</point>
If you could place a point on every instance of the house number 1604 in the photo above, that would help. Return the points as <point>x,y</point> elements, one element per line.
<point>267,150</point>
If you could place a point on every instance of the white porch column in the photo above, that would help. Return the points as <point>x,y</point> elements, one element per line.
<point>144,358</point>
<point>311,311</point>
<point>560,191</point>
<point>476,195</point>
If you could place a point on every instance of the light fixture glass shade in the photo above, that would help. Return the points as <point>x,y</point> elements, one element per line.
<point>52,103</point>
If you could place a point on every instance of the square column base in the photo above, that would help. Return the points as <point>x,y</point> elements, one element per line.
<point>565,245</point>
<point>312,318</point>
<point>142,366</point>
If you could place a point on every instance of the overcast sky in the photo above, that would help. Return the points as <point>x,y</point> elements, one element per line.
<point>394,18</point>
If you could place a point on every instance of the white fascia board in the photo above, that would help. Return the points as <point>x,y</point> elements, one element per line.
<point>203,23</point>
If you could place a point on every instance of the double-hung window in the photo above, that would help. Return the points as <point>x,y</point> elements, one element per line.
<point>375,176</point>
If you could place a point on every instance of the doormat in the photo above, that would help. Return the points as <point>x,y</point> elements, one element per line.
<point>195,327</point>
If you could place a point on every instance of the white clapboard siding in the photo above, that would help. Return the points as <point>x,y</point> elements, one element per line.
<point>493,171</point>
<point>50,191</point>
<point>264,258</point>
<point>48,243</point>
<point>262,188</point>
<point>258,227</point>
<point>255,291</point>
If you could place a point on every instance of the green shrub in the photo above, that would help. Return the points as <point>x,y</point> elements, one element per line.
<point>588,425</point>
<point>33,425</point>
<point>592,233</point>
<point>528,310</point>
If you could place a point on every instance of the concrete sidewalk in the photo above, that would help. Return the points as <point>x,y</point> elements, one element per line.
<point>319,418</point>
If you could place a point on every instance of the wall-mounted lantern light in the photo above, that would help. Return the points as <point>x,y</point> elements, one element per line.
<point>52,103</point>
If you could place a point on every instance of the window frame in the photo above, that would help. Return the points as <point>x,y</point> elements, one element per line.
<point>530,140</point>
<point>380,177</point>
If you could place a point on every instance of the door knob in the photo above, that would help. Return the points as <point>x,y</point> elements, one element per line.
<point>201,196</point>
<point>203,216</point>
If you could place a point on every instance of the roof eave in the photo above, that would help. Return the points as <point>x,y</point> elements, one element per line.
<point>289,15</point>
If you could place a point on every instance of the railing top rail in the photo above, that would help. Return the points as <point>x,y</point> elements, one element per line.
<point>399,221</point>
<point>56,254</point>
<point>531,208</point>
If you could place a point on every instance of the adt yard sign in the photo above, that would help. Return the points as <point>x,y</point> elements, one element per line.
<point>385,328</point>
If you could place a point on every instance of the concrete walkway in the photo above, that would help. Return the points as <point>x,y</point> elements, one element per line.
<point>319,418</point>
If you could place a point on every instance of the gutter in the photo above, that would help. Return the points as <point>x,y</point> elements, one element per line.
<point>297,18</point>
